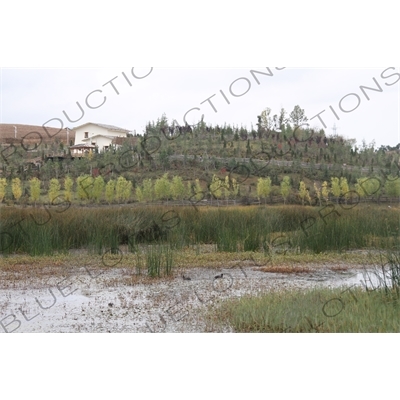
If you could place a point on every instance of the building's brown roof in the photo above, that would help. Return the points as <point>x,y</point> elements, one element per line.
<point>83,146</point>
<point>33,134</point>
<point>119,141</point>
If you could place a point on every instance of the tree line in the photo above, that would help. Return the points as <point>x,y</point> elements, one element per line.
<point>338,187</point>
<point>87,188</point>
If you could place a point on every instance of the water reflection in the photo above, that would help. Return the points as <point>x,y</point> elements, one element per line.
<point>372,279</point>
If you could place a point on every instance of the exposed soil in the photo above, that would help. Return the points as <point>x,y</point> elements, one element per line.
<point>95,299</point>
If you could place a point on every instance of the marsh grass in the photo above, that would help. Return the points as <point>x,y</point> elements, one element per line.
<point>360,228</point>
<point>372,308</point>
<point>230,229</point>
<point>386,274</point>
<point>227,240</point>
<point>159,261</point>
<point>252,241</point>
<point>156,260</point>
<point>317,310</point>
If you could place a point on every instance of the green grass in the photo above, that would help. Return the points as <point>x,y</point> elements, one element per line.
<point>318,310</point>
<point>372,308</point>
<point>231,229</point>
<point>157,260</point>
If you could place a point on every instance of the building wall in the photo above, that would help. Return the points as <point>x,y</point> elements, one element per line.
<point>94,130</point>
<point>101,142</point>
<point>91,129</point>
<point>75,152</point>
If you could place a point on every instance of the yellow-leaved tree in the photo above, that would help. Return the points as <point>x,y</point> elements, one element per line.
<point>162,188</point>
<point>216,188</point>
<point>54,189</point>
<point>264,186</point>
<point>318,193</point>
<point>98,188</point>
<point>178,189</point>
<point>110,191</point>
<point>34,184</point>
<point>3,187</point>
<point>344,189</point>
<point>303,193</point>
<point>200,194</point>
<point>68,185</point>
<point>285,188</point>
<point>16,188</point>
<point>148,190</point>
<point>325,191</point>
<point>335,188</point>
<point>84,187</point>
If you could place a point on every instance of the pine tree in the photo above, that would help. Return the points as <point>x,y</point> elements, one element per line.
<point>35,189</point>
<point>16,188</point>
<point>248,149</point>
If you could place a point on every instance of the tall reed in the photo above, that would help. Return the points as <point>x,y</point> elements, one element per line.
<point>159,260</point>
<point>231,229</point>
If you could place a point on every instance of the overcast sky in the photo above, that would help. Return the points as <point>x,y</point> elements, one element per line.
<point>36,96</point>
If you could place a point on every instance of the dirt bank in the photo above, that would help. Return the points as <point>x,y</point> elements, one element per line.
<point>82,299</point>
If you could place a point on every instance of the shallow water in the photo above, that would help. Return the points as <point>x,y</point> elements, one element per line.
<point>370,279</point>
<point>111,304</point>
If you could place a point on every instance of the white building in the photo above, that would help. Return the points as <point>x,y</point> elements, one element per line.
<point>99,135</point>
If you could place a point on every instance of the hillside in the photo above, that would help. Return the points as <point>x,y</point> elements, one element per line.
<point>200,152</point>
<point>32,135</point>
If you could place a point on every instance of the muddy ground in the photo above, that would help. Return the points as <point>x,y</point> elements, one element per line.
<point>83,299</point>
